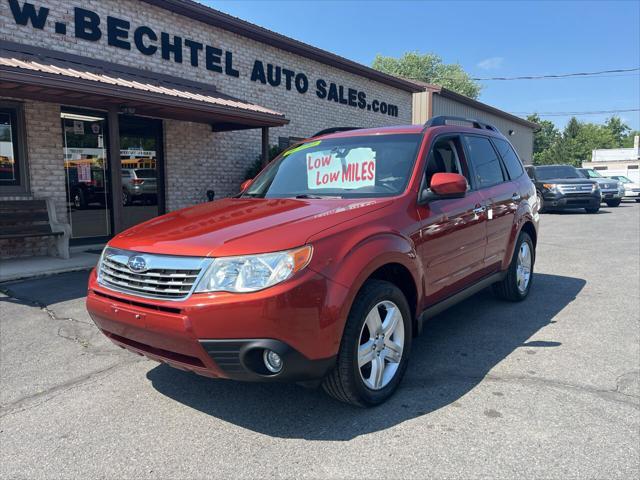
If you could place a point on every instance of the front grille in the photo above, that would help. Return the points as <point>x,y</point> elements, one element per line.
<point>576,188</point>
<point>165,277</point>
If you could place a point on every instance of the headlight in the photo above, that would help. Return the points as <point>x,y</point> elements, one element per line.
<point>250,273</point>
<point>552,187</point>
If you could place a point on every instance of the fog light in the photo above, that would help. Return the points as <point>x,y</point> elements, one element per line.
<point>272,361</point>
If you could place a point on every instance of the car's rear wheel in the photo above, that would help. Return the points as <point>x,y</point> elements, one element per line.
<point>516,284</point>
<point>375,346</point>
<point>592,210</point>
<point>613,203</point>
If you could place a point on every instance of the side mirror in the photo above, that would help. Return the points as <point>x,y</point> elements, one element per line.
<point>244,185</point>
<point>446,185</point>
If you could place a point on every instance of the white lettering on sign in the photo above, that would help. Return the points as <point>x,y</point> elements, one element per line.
<point>326,170</point>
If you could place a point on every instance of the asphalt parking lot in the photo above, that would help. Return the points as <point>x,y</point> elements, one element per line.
<point>548,388</point>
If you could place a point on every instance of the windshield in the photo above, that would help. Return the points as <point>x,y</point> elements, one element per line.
<point>588,173</point>
<point>561,171</point>
<point>352,167</point>
<point>622,179</point>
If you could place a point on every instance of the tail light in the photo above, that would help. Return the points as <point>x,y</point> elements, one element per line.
<point>138,181</point>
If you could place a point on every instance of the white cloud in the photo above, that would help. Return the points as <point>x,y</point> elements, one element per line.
<point>491,63</point>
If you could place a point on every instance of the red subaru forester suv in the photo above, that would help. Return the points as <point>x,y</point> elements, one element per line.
<point>325,266</point>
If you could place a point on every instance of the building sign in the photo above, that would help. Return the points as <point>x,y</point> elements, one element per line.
<point>120,33</point>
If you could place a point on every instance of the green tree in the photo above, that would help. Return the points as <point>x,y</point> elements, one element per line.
<point>544,137</point>
<point>429,68</point>
<point>575,144</point>
<point>627,141</point>
<point>618,129</point>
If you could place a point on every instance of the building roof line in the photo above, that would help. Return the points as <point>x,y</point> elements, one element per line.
<point>216,18</point>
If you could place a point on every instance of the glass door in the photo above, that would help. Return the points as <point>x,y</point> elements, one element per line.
<point>141,167</point>
<point>87,174</point>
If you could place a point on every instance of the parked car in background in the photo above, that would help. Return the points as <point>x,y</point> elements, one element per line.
<point>611,190</point>
<point>631,189</point>
<point>324,268</point>
<point>139,184</point>
<point>561,187</point>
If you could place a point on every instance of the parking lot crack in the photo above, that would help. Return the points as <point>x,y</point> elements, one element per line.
<point>40,398</point>
<point>44,307</point>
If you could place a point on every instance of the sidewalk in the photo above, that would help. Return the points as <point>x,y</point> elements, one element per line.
<point>30,267</point>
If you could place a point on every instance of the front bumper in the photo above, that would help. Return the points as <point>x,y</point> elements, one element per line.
<point>224,335</point>
<point>559,201</point>
<point>611,195</point>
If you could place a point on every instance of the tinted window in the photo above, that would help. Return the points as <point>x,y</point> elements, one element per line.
<point>557,171</point>
<point>509,157</point>
<point>484,159</point>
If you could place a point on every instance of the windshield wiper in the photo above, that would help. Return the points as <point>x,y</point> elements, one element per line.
<point>316,197</point>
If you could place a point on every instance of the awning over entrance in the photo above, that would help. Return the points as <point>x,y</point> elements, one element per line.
<point>47,75</point>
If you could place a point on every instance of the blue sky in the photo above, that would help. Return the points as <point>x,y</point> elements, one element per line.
<point>488,39</point>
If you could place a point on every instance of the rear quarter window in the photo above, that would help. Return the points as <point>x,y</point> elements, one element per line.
<point>485,161</point>
<point>509,157</point>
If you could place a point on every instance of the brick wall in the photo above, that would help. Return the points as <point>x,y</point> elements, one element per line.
<point>46,172</point>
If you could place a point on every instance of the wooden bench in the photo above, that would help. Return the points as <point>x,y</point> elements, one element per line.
<point>34,218</point>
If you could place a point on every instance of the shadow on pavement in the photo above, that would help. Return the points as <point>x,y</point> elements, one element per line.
<point>455,352</point>
<point>49,290</point>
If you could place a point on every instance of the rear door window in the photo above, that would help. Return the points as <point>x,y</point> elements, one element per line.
<point>484,159</point>
<point>509,157</point>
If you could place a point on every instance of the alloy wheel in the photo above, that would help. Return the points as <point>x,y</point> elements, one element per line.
<point>381,345</point>
<point>523,267</point>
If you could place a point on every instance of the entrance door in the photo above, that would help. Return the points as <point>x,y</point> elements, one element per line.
<point>87,175</point>
<point>141,167</point>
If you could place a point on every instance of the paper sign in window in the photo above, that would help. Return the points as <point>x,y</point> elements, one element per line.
<point>327,170</point>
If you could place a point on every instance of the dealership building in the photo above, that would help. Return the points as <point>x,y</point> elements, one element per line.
<point>117,111</point>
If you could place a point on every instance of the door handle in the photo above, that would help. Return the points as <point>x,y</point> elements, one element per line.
<point>516,197</point>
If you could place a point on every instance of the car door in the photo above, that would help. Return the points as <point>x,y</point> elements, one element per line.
<point>499,196</point>
<point>452,231</point>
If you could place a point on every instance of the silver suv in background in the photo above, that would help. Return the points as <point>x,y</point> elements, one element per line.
<point>631,189</point>
<point>139,184</point>
<point>612,190</point>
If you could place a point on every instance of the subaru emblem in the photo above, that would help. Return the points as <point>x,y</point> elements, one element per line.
<point>137,264</point>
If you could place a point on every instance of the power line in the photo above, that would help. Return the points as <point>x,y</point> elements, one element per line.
<point>566,114</point>
<point>561,75</point>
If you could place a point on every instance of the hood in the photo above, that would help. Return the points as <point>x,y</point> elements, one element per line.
<point>240,226</point>
<point>565,181</point>
<point>609,182</point>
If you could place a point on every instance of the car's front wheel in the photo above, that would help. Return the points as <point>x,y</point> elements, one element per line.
<point>375,346</point>
<point>613,203</point>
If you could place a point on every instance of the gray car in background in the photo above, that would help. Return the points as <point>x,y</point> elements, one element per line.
<point>612,190</point>
<point>139,184</point>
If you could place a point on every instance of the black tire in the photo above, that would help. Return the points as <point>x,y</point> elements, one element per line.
<point>126,198</point>
<point>637,200</point>
<point>507,289</point>
<point>541,201</point>
<point>613,203</point>
<point>592,210</point>
<point>345,383</point>
<point>79,200</point>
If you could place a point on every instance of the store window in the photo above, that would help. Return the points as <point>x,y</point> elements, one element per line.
<point>13,167</point>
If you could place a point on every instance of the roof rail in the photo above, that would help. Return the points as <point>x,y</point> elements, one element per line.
<point>327,131</point>
<point>443,119</point>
